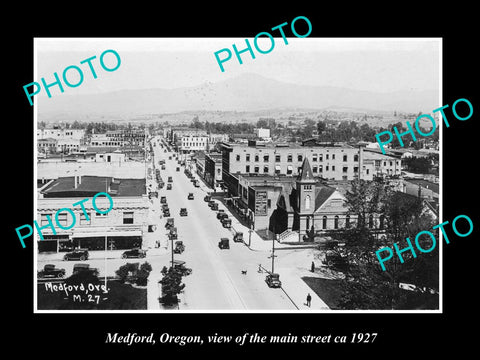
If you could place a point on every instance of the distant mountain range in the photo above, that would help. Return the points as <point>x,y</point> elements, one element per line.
<point>247,92</point>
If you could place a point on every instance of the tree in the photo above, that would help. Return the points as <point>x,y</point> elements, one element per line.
<point>321,126</point>
<point>171,286</point>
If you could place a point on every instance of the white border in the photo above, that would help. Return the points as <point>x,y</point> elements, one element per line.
<point>181,312</point>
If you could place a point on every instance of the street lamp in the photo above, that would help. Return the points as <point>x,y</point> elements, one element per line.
<point>106,256</point>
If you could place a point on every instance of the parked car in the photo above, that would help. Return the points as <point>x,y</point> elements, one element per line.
<point>226,222</point>
<point>335,259</point>
<point>214,206</point>
<point>169,186</point>
<point>49,270</point>
<point>180,267</point>
<point>163,200</point>
<point>210,203</point>
<point>170,223</point>
<point>84,267</point>
<point>178,168</point>
<point>134,253</point>
<point>179,247</point>
<point>170,179</point>
<point>273,280</point>
<point>166,212</point>
<point>224,243</point>
<point>173,235</point>
<point>221,214</point>
<point>79,254</point>
<point>190,196</point>
<point>183,212</point>
<point>163,167</point>
<point>238,237</point>
<point>165,207</point>
<point>196,183</point>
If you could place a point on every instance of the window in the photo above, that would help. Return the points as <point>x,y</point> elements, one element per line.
<point>62,219</point>
<point>98,215</point>
<point>308,187</point>
<point>299,157</point>
<point>345,157</point>
<point>368,171</point>
<point>333,167</point>
<point>382,221</point>
<point>44,219</point>
<point>238,157</point>
<point>307,202</point>
<point>83,218</point>
<point>277,158</point>
<point>247,157</point>
<point>333,156</point>
<point>391,163</point>
<point>345,169</point>
<point>289,170</point>
<point>335,223</point>
<point>324,222</point>
<point>355,169</point>
<point>315,169</point>
<point>256,169</point>
<point>269,203</point>
<point>219,171</point>
<point>265,158</point>
<point>347,221</point>
<point>370,221</point>
<point>314,158</point>
<point>384,163</point>
<point>320,157</point>
<point>355,157</point>
<point>289,158</point>
<point>128,217</point>
<point>326,156</point>
<point>326,168</point>
<point>256,157</point>
<point>320,168</point>
<point>265,169</point>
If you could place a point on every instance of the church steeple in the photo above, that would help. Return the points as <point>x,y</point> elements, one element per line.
<point>306,173</point>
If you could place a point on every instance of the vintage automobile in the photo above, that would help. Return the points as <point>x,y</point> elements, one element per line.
<point>79,254</point>
<point>224,243</point>
<point>170,179</point>
<point>179,247</point>
<point>226,222</point>
<point>221,214</point>
<point>49,270</point>
<point>173,235</point>
<point>163,167</point>
<point>163,200</point>
<point>170,223</point>
<point>169,186</point>
<point>238,237</point>
<point>211,202</point>
<point>214,206</point>
<point>196,183</point>
<point>190,196</point>
<point>134,253</point>
<point>165,207</point>
<point>166,212</point>
<point>334,259</point>
<point>178,168</point>
<point>183,212</point>
<point>179,266</point>
<point>207,198</point>
<point>84,268</point>
<point>273,280</point>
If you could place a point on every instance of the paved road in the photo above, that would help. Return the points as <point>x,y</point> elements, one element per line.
<point>217,282</point>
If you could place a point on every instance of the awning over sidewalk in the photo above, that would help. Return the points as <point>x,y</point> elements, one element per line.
<point>107,233</point>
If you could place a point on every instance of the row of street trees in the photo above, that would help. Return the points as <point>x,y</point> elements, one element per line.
<point>365,285</point>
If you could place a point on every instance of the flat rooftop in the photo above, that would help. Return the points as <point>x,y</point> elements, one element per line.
<point>91,185</point>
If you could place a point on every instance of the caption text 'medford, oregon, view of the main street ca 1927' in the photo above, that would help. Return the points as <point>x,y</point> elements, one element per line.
<point>261,188</point>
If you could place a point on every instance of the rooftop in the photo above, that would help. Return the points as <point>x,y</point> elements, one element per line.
<point>91,185</point>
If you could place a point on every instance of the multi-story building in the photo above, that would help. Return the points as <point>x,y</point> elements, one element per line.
<point>47,145</point>
<point>329,162</point>
<point>191,143</point>
<point>56,133</point>
<point>122,227</point>
<point>213,169</point>
<point>132,137</point>
<point>66,140</point>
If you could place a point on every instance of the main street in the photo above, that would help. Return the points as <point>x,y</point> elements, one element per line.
<point>217,282</point>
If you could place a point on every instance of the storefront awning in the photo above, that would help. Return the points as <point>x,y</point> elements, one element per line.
<point>107,233</point>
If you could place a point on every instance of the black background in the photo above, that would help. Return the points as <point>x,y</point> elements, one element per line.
<point>47,334</point>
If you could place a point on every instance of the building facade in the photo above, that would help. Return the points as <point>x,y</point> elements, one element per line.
<point>122,227</point>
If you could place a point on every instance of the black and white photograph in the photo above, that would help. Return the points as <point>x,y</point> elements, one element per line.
<point>300,181</point>
<point>259,188</point>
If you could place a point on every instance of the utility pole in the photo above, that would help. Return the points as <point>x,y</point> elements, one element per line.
<point>273,255</point>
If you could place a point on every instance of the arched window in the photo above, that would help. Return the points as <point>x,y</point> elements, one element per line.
<point>370,221</point>
<point>324,222</point>
<point>335,223</point>
<point>382,221</point>
<point>307,202</point>
<point>347,221</point>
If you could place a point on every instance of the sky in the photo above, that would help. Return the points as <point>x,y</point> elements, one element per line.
<point>371,64</point>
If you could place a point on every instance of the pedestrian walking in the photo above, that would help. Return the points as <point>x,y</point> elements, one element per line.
<point>309,299</point>
<point>313,267</point>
